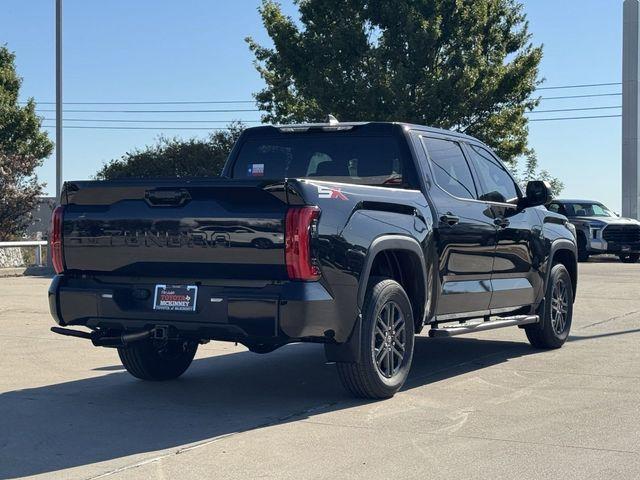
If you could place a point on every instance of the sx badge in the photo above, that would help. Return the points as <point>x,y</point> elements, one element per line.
<point>330,192</point>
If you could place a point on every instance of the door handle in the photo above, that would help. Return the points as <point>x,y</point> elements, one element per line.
<point>501,222</point>
<point>449,219</point>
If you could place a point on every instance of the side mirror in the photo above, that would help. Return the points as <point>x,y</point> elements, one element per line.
<point>538,193</point>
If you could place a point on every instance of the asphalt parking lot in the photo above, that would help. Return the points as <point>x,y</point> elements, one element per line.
<point>482,406</point>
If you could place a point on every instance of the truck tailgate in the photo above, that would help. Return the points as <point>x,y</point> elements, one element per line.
<point>206,228</point>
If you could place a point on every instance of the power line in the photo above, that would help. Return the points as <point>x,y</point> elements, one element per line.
<point>155,111</point>
<point>572,118</point>
<point>584,85</point>
<point>205,102</point>
<point>574,109</point>
<point>582,96</point>
<point>257,110</point>
<point>122,120</point>
<point>177,102</point>
<point>218,128</point>
<point>136,128</point>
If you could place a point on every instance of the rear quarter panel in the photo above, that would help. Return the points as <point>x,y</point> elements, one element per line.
<point>352,217</point>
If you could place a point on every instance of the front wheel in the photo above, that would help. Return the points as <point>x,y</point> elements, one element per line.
<point>387,341</point>
<point>629,257</point>
<point>583,253</point>
<point>146,361</point>
<point>555,313</point>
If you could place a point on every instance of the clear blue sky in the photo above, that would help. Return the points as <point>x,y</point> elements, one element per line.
<point>150,50</point>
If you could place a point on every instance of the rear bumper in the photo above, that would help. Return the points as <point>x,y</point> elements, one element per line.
<point>269,313</point>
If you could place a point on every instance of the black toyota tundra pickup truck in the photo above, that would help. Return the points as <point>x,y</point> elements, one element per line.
<point>355,235</point>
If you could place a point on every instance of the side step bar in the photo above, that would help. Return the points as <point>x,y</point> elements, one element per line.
<point>481,327</point>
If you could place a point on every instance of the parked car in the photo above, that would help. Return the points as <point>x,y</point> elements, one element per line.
<point>600,230</point>
<point>377,231</point>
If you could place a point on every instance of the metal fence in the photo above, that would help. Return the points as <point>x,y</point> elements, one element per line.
<point>37,244</point>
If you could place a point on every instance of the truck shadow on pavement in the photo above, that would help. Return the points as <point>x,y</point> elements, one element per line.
<point>110,416</point>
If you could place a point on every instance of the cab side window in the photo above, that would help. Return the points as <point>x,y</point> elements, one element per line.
<point>496,185</point>
<point>554,207</point>
<point>557,208</point>
<point>450,168</point>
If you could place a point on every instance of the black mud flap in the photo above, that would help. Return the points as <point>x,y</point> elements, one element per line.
<point>349,351</point>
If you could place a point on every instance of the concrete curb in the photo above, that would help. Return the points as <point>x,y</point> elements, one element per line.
<point>26,271</point>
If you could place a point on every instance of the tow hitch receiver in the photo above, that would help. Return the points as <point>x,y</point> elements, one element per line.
<point>161,332</point>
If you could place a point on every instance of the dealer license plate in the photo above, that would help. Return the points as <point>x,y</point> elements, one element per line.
<point>175,298</point>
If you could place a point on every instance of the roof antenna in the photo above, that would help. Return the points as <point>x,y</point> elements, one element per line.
<point>331,120</point>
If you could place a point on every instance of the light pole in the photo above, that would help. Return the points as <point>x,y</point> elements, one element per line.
<point>630,109</point>
<point>58,98</point>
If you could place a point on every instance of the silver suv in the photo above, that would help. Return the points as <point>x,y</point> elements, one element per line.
<point>600,230</point>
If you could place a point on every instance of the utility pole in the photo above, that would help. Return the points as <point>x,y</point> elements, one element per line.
<point>58,98</point>
<point>630,109</point>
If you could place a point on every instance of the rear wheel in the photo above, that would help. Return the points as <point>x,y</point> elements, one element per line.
<point>146,361</point>
<point>556,311</point>
<point>629,257</point>
<point>387,340</point>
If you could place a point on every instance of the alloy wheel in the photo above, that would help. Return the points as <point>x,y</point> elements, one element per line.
<point>559,307</point>
<point>389,339</point>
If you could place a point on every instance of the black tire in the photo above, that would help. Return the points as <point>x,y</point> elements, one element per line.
<point>145,361</point>
<point>629,257</point>
<point>367,378</point>
<point>583,253</point>
<point>556,312</point>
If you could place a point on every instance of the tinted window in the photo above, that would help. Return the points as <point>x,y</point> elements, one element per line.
<point>554,207</point>
<point>350,159</point>
<point>558,208</point>
<point>450,168</point>
<point>589,210</point>
<point>496,184</point>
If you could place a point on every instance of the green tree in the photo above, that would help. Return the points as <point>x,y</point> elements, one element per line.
<point>175,157</point>
<point>466,65</point>
<point>531,172</point>
<point>23,147</point>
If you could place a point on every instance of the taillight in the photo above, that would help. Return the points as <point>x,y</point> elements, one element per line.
<point>55,239</point>
<point>300,223</point>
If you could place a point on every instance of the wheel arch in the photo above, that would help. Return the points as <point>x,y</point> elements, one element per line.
<point>402,259</point>
<point>386,248</point>
<point>581,235</point>
<point>565,252</point>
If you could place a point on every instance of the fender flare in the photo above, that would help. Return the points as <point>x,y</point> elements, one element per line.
<point>561,244</point>
<point>389,242</point>
<point>349,351</point>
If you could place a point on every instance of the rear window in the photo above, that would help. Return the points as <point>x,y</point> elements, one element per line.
<point>362,160</point>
